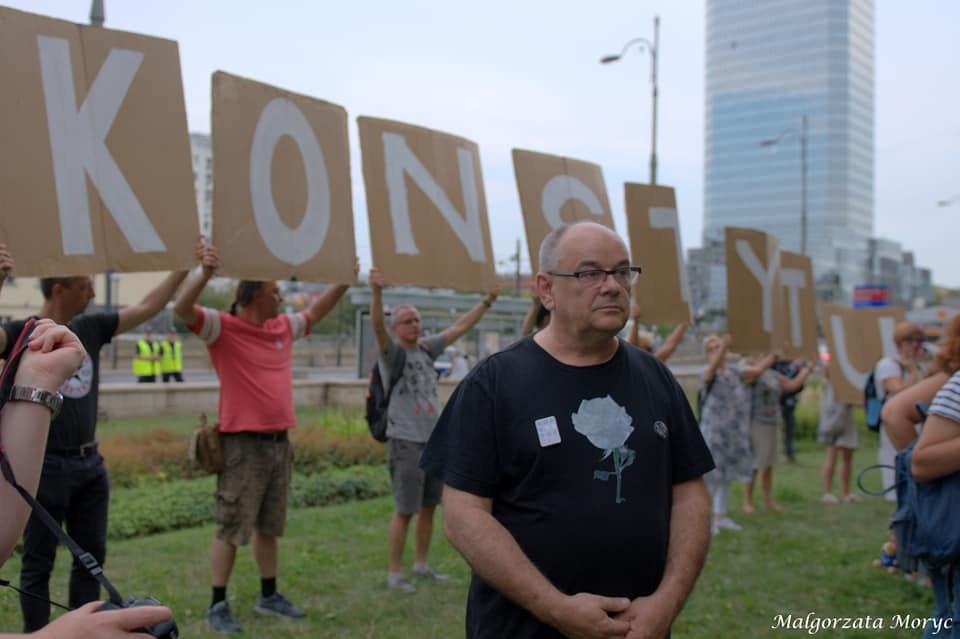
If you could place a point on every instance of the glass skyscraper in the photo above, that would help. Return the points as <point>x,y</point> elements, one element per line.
<point>770,64</point>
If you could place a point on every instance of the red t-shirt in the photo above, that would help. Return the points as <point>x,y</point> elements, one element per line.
<point>254,364</point>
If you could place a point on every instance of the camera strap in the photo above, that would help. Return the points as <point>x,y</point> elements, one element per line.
<point>88,561</point>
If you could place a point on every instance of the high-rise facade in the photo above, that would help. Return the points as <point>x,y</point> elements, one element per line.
<point>791,83</point>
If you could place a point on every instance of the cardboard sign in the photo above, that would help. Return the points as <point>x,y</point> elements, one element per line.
<point>857,339</point>
<point>662,292</point>
<point>95,165</point>
<point>426,207</point>
<point>800,306</point>
<point>555,191</point>
<point>755,317</point>
<point>281,201</point>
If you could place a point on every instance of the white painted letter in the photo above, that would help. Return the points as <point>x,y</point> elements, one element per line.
<point>763,275</point>
<point>855,377</point>
<point>78,149</point>
<point>559,190</point>
<point>293,246</point>
<point>399,160</point>
<point>793,280</point>
<point>665,218</point>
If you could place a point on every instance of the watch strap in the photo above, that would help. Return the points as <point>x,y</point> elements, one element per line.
<point>52,400</point>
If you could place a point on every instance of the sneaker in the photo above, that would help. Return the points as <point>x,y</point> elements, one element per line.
<point>852,498</point>
<point>424,571</point>
<point>398,581</point>
<point>277,604</point>
<point>221,619</point>
<point>728,523</point>
<point>830,498</point>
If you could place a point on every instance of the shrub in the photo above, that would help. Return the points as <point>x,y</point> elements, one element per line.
<point>145,510</point>
<point>158,455</point>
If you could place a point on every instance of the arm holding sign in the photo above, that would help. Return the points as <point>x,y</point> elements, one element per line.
<point>670,344</point>
<point>376,310</point>
<point>795,383</point>
<point>757,367</point>
<point>184,306</point>
<point>154,302</point>
<point>325,303</point>
<point>469,319</point>
<point>6,267</point>
<point>716,348</point>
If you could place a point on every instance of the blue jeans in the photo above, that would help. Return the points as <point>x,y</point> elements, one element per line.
<point>76,492</point>
<point>946,596</point>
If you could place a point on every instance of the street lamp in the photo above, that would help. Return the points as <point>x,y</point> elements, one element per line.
<point>653,48</point>
<point>949,201</point>
<point>803,175</point>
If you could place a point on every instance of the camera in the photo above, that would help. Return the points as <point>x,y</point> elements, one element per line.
<point>164,630</point>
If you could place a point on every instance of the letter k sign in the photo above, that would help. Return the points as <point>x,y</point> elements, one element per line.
<point>78,146</point>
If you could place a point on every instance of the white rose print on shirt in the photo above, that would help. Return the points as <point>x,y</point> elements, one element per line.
<point>606,424</point>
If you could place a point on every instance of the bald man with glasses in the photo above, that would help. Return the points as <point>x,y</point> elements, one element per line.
<point>572,466</point>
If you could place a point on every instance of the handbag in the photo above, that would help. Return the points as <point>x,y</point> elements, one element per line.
<point>205,449</point>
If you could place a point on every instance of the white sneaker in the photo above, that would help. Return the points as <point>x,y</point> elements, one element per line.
<point>728,523</point>
<point>399,581</point>
<point>830,498</point>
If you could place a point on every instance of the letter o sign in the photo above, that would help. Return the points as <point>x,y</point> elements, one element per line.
<point>298,245</point>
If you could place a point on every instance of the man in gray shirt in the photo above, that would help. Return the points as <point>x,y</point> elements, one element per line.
<point>411,415</point>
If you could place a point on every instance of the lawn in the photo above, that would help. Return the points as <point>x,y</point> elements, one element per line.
<point>812,559</point>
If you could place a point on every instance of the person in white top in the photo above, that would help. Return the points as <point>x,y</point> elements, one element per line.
<point>893,374</point>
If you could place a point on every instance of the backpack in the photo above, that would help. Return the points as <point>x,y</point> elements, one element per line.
<point>927,521</point>
<point>378,397</point>
<point>872,404</point>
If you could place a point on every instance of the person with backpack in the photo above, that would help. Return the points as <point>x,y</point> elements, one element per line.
<point>723,406</point>
<point>412,411</point>
<point>892,375</point>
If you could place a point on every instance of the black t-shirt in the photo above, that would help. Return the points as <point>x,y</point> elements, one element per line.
<point>560,501</point>
<point>77,422</point>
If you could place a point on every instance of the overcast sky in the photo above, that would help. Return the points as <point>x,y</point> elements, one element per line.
<point>525,74</point>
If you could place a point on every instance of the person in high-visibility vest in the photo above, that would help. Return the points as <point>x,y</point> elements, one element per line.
<point>171,358</point>
<point>146,359</point>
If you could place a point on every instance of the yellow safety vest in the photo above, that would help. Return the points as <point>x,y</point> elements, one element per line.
<point>142,367</point>
<point>171,359</point>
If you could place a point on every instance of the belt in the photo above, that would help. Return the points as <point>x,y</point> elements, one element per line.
<point>84,450</point>
<point>267,435</point>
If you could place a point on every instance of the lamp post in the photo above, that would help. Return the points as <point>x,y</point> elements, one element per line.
<point>949,201</point>
<point>653,48</point>
<point>803,175</point>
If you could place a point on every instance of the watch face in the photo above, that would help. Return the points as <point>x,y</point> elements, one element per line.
<point>79,384</point>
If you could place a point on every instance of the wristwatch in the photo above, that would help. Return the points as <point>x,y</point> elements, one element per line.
<point>53,401</point>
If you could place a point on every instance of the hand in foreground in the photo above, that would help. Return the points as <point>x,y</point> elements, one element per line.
<point>207,256</point>
<point>85,622</point>
<point>53,354</point>
<point>647,620</point>
<point>587,616</point>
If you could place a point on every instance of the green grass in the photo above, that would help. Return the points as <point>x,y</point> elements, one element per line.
<point>813,558</point>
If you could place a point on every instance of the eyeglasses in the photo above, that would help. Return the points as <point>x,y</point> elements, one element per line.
<point>624,275</point>
<point>915,340</point>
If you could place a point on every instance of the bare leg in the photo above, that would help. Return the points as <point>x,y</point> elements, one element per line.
<point>846,466</point>
<point>265,553</point>
<point>828,467</point>
<point>748,494</point>
<point>222,556</point>
<point>399,524</point>
<point>422,532</point>
<point>766,487</point>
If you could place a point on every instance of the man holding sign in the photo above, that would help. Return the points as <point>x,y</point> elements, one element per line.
<point>412,413</point>
<point>74,487</point>
<point>251,348</point>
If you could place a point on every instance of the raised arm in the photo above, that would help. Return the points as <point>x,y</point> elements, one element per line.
<point>795,383</point>
<point>715,359</point>
<point>689,540</point>
<point>670,344</point>
<point>328,300</point>
<point>469,319</point>
<point>496,557</point>
<point>755,370</point>
<point>900,410</point>
<point>376,310</point>
<point>6,267</point>
<point>209,263</point>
